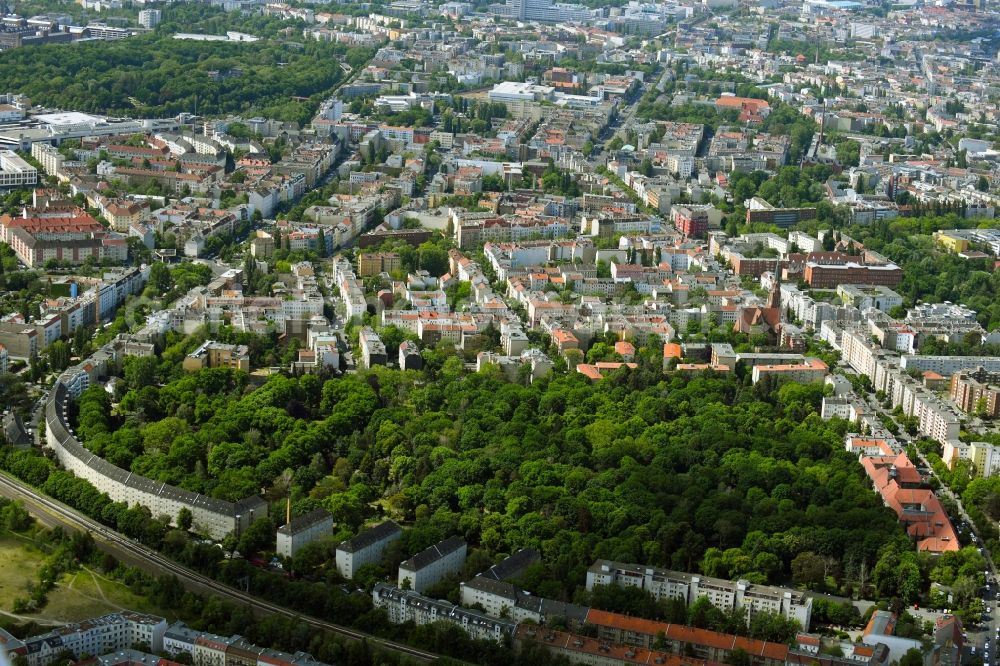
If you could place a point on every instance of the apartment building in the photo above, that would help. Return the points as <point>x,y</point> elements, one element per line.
<point>242,652</point>
<point>805,242</point>
<point>692,221</point>
<point>535,359</point>
<point>210,649</point>
<point>48,156</point>
<point>312,160</point>
<point>579,649</point>
<point>857,349</point>
<point>864,297</point>
<point>949,365</point>
<point>270,657</point>
<point>374,263</point>
<point>754,266</point>
<point>60,233</point>
<point>751,359</point>
<point>500,598</point>
<point>471,232</point>
<point>367,547</point>
<point>976,391</point>
<point>179,638</point>
<point>122,214</point>
<point>115,287</point>
<point>432,327</point>
<point>723,594</point>
<point>432,564</point>
<point>96,636</point>
<point>887,372</point>
<point>514,565</point>
<point>150,18</point>
<point>213,354</point>
<point>373,350</point>
<point>813,313</point>
<point>213,517</point>
<point>809,371</point>
<point>760,211</point>
<point>985,457</point>
<point>955,450</point>
<point>226,650</point>
<point>49,327</point>
<point>678,639</point>
<point>409,356</point>
<point>302,530</point>
<point>262,244</point>
<point>351,291</point>
<point>380,235</point>
<point>409,606</point>
<point>21,341</point>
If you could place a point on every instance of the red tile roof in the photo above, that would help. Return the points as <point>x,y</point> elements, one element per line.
<point>624,348</point>
<point>582,645</point>
<point>685,634</point>
<point>918,509</point>
<point>672,350</point>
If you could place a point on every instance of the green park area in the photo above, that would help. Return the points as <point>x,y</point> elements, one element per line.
<point>76,594</point>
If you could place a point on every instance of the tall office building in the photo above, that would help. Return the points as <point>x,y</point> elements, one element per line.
<point>545,11</point>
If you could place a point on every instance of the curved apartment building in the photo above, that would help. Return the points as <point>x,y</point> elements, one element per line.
<point>212,517</point>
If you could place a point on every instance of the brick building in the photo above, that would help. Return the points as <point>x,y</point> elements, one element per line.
<point>970,387</point>
<point>692,222</point>
<point>829,276</point>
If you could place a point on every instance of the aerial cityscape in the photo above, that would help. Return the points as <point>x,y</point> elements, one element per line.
<point>516,333</point>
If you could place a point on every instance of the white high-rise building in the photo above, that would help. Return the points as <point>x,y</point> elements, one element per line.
<point>545,10</point>
<point>150,18</point>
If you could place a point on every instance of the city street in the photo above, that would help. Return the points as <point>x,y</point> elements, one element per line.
<point>624,120</point>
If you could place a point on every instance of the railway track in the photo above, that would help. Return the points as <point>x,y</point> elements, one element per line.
<point>53,514</point>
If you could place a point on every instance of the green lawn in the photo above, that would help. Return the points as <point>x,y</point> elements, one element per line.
<point>19,561</point>
<point>80,595</point>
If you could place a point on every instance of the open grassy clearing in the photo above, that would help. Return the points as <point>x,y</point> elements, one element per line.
<point>77,596</point>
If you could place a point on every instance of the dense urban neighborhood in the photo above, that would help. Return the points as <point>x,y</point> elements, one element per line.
<point>525,332</point>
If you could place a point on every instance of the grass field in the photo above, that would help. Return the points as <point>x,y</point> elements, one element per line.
<point>19,562</point>
<point>77,596</point>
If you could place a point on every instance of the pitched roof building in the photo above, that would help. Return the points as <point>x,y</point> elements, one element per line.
<point>918,508</point>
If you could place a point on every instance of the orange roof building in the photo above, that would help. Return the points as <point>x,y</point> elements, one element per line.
<point>584,650</point>
<point>692,368</point>
<point>564,340</point>
<point>710,646</point>
<point>672,350</point>
<point>751,110</point>
<point>625,349</point>
<point>917,507</point>
<point>595,371</point>
<point>811,370</point>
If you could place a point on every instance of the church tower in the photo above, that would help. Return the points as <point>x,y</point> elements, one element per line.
<point>774,295</point>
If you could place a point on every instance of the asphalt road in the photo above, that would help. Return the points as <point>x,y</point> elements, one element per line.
<point>54,514</point>
<point>625,117</point>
